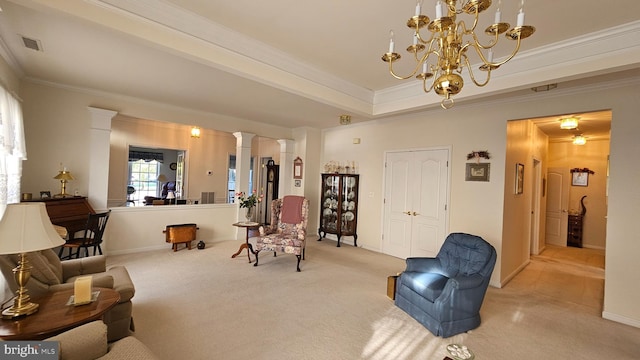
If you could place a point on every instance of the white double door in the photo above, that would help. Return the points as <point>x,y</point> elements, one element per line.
<point>415,206</point>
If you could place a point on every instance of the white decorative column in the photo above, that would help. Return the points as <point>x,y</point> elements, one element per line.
<point>286,167</point>
<point>243,165</point>
<point>99,137</point>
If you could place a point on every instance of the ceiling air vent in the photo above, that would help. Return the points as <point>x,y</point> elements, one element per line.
<point>32,44</point>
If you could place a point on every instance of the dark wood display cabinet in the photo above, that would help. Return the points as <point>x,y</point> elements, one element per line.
<point>339,206</point>
<point>574,231</point>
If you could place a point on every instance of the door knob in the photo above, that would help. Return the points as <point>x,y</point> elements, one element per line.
<point>407,212</point>
<point>414,213</point>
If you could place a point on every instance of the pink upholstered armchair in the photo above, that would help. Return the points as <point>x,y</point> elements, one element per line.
<point>288,228</point>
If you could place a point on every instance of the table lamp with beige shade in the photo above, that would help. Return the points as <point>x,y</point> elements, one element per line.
<point>25,228</point>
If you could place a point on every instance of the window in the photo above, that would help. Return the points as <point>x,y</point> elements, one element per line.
<point>144,177</point>
<point>231,179</point>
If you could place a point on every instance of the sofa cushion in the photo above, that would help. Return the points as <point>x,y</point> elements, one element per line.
<point>122,282</point>
<point>428,285</point>
<point>464,254</point>
<point>43,268</point>
<point>86,342</point>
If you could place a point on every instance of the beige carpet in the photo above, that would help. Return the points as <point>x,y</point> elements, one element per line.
<point>201,304</point>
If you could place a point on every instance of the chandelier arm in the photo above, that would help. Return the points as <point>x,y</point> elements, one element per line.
<point>515,51</point>
<point>473,78</point>
<point>425,41</point>
<point>463,25</point>
<point>403,77</point>
<point>424,85</point>
<point>491,44</point>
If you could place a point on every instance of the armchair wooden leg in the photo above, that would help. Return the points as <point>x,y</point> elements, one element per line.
<point>298,266</point>
<point>256,254</point>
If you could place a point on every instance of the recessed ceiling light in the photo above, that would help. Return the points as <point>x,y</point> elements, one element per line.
<point>569,123</point>
<point>579,140</point>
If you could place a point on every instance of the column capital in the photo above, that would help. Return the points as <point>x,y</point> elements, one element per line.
<point>101,118</point>
<point>243,139</point>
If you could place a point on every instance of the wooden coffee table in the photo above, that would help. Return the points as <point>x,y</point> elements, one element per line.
<point>54,316</point>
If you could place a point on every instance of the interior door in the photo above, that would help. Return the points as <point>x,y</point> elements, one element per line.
<point>416,193</point>
<point>557,206</point>
<point>398,186</point>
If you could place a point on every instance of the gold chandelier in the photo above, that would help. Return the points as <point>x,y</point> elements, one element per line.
<point>447,46</point>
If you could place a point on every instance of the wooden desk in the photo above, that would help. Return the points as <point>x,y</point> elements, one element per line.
<point>54,316</point>
<point>246,245</point>
<point>70,212</point>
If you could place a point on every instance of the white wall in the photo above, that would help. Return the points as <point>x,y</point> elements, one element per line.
<point>57,128</point>
<point>125,235</point>
<point>478,207</point>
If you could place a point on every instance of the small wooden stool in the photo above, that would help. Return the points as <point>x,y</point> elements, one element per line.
<point>180,234</point>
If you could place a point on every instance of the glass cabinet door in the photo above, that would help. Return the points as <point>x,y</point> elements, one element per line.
<point>339,206</point>
<point>349,202</point>
<point>330,191</point>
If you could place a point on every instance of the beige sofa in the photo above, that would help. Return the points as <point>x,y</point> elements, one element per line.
<point>89,342</point>
<point>48,273</point>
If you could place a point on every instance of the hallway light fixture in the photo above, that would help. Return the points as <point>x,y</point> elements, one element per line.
<point>569,123</point>
<point>449,42</point>
<point>579,140</point>
<point>345,119</point>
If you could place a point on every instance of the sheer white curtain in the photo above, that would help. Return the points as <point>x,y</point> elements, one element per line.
<point>12,152</point>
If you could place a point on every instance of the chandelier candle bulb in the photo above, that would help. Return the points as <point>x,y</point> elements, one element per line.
<point>418,7</point>
<point>490,56</point>
<point>498,17</point>
<point>521,14</point>
<point>520,18</point>
<point>391,45</point>
<point>439,10</point>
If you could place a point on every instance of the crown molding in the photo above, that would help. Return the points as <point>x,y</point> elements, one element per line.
<point>198,27</point>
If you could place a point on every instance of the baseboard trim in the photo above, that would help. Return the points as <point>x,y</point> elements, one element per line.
<point>510,277</point>
<point>621,319</point>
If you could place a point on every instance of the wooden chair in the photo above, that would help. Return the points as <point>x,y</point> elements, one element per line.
<point>91,237</point>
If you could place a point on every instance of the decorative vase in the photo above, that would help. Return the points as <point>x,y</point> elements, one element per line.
<point>249,214</point>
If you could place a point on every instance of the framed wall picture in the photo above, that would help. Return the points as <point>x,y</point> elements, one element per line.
<point>45,194</point>
<point>580,178</point>
<point>519,188</point>
<point>297,168</point>
<point>477,172</point>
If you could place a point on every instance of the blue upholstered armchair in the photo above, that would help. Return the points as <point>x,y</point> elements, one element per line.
<point>445,293</point>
